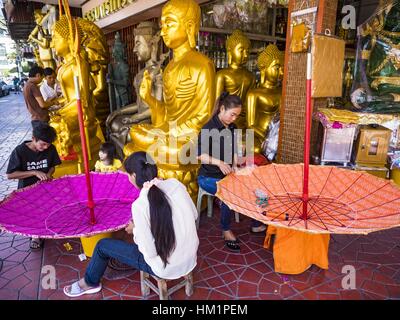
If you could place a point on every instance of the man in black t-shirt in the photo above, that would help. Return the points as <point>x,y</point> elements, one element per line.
<point>34,161</point>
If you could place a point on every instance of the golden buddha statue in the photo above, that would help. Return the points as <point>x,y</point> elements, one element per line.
<point>65,119</point>
<point>96,47</point>
<point>39,37</point>
<point>147,39</point>
<point>189,96</point>
<point>236,79</point>
<point>263,102</point>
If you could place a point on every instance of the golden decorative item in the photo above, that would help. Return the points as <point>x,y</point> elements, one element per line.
<point>96,47</point>
<point>263,102</point>
<point>301,37</point>
<point>236,79</point>
<point>65,119</point>
<point>189,96</point>
<point>146,46</point>
<point>39,37</point>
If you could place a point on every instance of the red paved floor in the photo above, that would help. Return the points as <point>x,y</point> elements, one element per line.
<point>219,274</point>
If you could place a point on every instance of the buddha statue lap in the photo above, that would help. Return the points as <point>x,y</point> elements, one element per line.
<point>263,102</point>
<point>65,119</point>
<point>236,79</point>
<point>189,96</point>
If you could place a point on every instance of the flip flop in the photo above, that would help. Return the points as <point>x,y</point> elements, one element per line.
<point>74,290</point>
<point>36,244</point>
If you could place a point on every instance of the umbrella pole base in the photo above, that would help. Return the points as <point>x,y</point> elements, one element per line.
<point>89,243</point>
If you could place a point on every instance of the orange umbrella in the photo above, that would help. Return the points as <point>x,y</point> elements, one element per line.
<point>339,200</point>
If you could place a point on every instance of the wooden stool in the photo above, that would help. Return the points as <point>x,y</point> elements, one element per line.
<point>162,289</point>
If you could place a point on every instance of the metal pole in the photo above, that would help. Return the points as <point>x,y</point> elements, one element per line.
<point>90,202</point>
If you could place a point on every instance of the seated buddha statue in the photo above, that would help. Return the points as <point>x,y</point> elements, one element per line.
<point>146,48</point>
<point>40,37</point>
<point>263,102</point>
<point>189,96</point>
<point>65,118</point>
<point>236,79</point>
<point>376,87</point>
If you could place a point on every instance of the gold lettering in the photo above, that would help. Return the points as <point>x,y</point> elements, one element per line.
<point>107,7</point>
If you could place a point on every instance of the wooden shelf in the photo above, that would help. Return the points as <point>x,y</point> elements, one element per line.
<point>251,36</point>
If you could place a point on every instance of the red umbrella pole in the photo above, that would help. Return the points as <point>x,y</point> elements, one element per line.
<point>307,134</point>
<point>90,203</point>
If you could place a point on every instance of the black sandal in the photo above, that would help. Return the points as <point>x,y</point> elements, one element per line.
<point>232,245</point>
<point>36,244</point>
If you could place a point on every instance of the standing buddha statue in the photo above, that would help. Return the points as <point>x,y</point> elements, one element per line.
<point>263,102</point>
<point>236,79</point>
<point>96,47</point>
<point>39,37</point>
<point>189,96</point>
<point>65,119</point>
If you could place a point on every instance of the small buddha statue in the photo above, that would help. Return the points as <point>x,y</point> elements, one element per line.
<point>40,37</point>
<point>95,45</point>
<point>236,79</point>
<point>118,75</point>
<point>189,96</point>
<point>146,47</point>
<point>263,102</point>
<point>65,119</point>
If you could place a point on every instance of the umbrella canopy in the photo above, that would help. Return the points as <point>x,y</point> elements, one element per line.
<point>58,209</point>
<point>339,200</point>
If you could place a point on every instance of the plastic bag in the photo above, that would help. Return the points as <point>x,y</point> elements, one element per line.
<point>269,146</point>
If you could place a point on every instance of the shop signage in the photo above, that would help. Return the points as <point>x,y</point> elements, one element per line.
<point>107,8</point>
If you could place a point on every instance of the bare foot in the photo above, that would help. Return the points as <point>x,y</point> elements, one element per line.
<point>228,235</point>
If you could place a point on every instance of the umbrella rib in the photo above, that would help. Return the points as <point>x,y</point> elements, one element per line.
<point>252,190</point>
<point>344,191</point>
<point>279,178</point>
<point>290,222</point>
<point>367,195</point>
<point>326,212</point>
<point>386,202</point>
<point>319,194</point>
<point>318,216</point>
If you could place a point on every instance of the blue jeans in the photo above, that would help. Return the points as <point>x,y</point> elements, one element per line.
<point>124,252</point>
<point>209,184</point>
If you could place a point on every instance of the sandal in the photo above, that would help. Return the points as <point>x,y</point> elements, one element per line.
<point>232,245</point>
<point>74,290</point>
<point>36,243</point>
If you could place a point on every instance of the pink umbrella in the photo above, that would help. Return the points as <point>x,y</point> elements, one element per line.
<point>58,209</point>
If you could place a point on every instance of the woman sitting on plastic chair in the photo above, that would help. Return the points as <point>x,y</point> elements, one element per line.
<point>163,228</point>
<point>217,146</point>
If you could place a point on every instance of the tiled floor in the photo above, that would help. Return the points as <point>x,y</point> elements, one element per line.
<point>219,274</point>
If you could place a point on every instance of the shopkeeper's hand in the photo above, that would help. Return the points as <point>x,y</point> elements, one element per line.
<point>225,168</point>
<point>41,175</point>
<point>129,228</point>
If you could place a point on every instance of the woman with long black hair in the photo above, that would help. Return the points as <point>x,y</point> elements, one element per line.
<point>163,227</point>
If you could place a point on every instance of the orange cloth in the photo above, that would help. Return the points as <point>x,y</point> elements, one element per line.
<point>295,251</point>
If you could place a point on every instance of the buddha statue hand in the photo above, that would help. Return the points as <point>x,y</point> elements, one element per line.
<point>145,86</point>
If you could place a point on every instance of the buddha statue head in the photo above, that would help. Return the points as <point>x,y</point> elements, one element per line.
<point>180,23</point>
<point>61,37</point>
<point>145,44</point>
<point>38,15</point>
<point>237,47</point>
<point>270,63</point>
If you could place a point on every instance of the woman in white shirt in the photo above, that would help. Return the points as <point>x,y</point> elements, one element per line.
<point>163,227</point>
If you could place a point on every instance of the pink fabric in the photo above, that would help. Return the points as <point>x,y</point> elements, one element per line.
<point>57,209</point>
